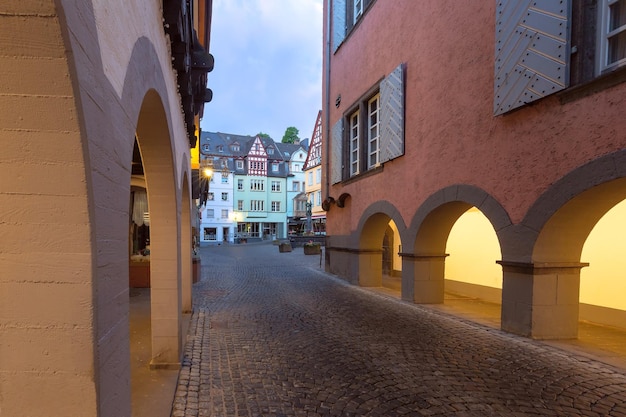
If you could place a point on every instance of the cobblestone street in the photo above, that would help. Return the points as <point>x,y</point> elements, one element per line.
<point>274,335</point>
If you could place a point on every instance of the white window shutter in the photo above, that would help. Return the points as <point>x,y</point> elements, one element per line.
<point>339,22</point>
<point>392,115</point>
<point>336,152</point>
<point>532,51</point>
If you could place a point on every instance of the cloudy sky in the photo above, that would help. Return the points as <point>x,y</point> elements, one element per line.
<point>268,67</point>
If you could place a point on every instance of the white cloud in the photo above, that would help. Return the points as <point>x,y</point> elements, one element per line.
<point>268,65</point>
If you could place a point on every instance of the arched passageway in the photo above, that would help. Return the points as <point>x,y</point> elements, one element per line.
<point>541,298</point>
<point>603,282</point>
<point>379,246</point>
<point>155,145</point>
<point>473,279</point>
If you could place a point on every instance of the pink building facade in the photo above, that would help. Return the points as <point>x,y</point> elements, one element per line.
<point>434,107</point>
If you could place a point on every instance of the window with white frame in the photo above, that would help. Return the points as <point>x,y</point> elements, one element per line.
<point>224,178</point>
<point>240,184</point>
<point>358,10</point>
<point>257,205</point>
<point>295,186</point>
<point>224,196</point>
<point>257,185</point>
<point>310,177</point>
<point>210,196</point>
<point>275,205</point>
<point>345,15</point>
<point>210,213</point>
<point>613,36</point>
<point>318,175</point>
<point>318,198</point>
<point>276,186</point>
<point>373,122</point>
<point>274,166</point>
<point>239,205</point>
<point>354,139</point>
<point>239,164</point>
<point>224,213</point>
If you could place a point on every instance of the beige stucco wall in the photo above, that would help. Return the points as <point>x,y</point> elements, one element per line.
<point>75,80</point>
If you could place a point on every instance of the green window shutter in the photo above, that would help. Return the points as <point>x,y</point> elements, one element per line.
<point>336,157</point>
<point>339,22</point>
<point>392,115</point>
<point>532,51</point>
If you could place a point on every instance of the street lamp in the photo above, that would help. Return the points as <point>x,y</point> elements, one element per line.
<point>206,173</point>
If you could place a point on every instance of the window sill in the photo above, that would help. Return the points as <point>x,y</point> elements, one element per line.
<point>362,175</point>
<point>594,86</point>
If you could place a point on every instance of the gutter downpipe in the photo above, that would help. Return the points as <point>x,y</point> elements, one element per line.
<point>327,92</point>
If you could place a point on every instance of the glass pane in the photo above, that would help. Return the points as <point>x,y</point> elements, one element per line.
<point>617,47</point>
<point>617,13</point>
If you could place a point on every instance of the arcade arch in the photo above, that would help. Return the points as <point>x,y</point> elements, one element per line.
<point>380,242</point>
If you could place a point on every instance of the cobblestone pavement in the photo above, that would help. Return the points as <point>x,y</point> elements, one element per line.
<point>273,335</point>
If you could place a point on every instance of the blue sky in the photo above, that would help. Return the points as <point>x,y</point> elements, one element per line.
<point>268,67</point>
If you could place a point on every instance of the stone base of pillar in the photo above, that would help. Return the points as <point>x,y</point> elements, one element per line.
<point>541,300</point>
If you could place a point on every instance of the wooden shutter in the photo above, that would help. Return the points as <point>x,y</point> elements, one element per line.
<point>392,115</point>
<point>339,22</point>
<point>336,152</point>
<point>532,51</point>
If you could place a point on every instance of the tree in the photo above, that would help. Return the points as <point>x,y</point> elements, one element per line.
<point>263,135</point>
<point>291,135</point>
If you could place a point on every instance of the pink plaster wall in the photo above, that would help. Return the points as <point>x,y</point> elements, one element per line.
<point>451,135</point>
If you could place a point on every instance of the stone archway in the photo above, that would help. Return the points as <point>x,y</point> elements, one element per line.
<point>424,268</point>
<point>541,284</point>
<point>375,223</point>
<point>155,146</point>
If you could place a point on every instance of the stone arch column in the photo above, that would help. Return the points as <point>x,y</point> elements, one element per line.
<point>186,245</point>
<point>48,256</point>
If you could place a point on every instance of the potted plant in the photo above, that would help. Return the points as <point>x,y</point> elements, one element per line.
<point>312,248</point>
<point>284,247</point>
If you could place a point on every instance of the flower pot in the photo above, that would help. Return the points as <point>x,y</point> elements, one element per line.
<point>314,249</point>
<point>284,247</point>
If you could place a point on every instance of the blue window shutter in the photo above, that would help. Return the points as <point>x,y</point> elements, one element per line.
<point>336,152</point>
<point>339,22</point>
<point>392,115</point>
<point>532,51</point>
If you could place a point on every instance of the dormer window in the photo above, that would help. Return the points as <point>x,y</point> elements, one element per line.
<point>270,151</point>
<point>220,149</point>
<point>206,147</point>
<point>235,147</point>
